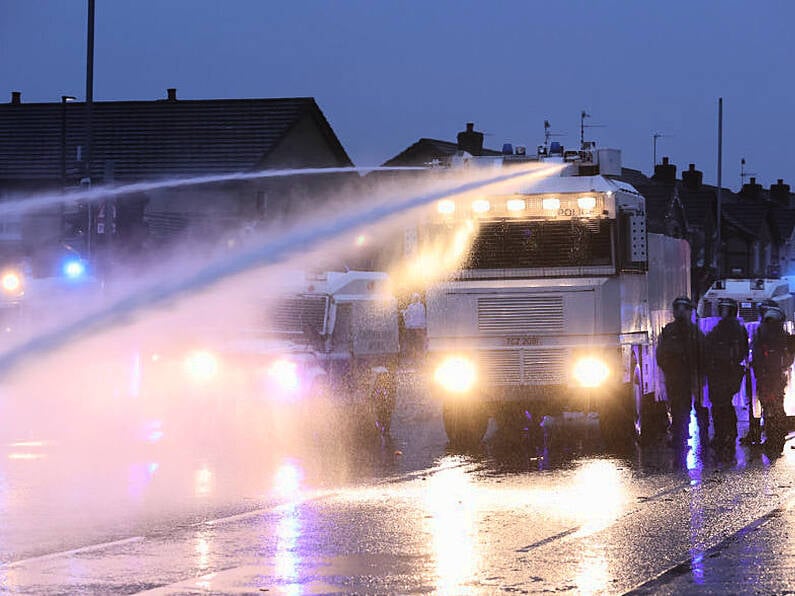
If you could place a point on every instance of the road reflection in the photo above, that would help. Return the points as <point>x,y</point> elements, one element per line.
<point>287,560</point>
<point>451,502</point>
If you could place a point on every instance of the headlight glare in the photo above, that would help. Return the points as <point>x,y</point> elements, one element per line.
<point>285,373</point>
<point>550,204</point>
<point>201,366</point>
<point>590,371</point>
<point>516,204</point>
<point>456,374</point>
<point>481,205</point>
<point>12,282</point>
<point>446,207</point>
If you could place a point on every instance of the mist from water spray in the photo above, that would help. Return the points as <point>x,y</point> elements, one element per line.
<point>42,201</point>
<point>268,253</point>
<point>80,431</point>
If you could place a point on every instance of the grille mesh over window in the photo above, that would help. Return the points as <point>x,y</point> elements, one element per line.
<point>298,314</point>
<point>509,244</point>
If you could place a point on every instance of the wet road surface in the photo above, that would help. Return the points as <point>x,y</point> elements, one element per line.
<point>248,513</point>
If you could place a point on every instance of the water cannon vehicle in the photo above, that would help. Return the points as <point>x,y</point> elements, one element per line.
<point>557,303</point>
<point>325,344</point>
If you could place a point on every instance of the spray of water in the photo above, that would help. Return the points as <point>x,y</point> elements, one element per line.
<point>94,447</point>
<point>269,253</point>
<point>27,204</point>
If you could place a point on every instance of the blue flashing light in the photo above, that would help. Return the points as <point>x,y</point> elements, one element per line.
<point>74,269</point>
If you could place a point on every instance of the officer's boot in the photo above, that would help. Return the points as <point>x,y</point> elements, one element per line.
<point>754,436</point>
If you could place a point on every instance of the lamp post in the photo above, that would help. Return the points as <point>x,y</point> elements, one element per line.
<point>64,100</point>
<point>89,123</point>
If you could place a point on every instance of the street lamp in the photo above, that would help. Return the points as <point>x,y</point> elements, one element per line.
<point>64,100</point>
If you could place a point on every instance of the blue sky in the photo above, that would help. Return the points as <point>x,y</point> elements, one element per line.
<point>388,73</point>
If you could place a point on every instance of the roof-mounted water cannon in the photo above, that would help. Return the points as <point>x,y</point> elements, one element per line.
<point>544,150</point>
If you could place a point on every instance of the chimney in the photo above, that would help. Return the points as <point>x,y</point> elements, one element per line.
<point>780,192</point>
<point>751,191</point>
<point>172,94</point>
<point>16,97</point>
<point>470,140</point>
<point>692,177</point>
<point>664,172</point>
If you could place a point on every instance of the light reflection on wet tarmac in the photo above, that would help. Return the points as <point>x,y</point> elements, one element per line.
<point>513,516</point>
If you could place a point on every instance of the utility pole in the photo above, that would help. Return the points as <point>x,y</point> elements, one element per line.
<point>720,184</point>
<point>64,100</point>
<point>89,123</point>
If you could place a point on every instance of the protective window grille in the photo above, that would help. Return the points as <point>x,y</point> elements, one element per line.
<point>508,243</point>
<point>298,315</point>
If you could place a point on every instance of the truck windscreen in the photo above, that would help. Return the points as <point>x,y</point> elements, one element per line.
<point>518,244</point>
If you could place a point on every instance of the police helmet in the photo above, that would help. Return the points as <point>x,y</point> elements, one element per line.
<point>774,313</point>
<point>727,307</point>
<point>683,302</point>
<point>764,305</point>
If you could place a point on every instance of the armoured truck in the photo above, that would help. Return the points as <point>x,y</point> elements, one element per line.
<point>324,343</point>
<point>751,296</point>
<point>348,323</point>
<point>558,302</point>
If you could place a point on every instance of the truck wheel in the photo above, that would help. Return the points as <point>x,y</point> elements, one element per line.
<point>516,422</point>
<point>465,424</point>
<point>623,419</point>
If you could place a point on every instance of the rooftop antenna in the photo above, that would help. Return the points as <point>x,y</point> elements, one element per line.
<point>655,136</point>
<point>743,173</point>
<point>583,126</point>
<point>548,134</point>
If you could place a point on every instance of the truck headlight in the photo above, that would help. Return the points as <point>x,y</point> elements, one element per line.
<point>285,373</point>
<point>456,374</point>
<point>201,366</point>
<point>11,282</point>
<point>591,371</point>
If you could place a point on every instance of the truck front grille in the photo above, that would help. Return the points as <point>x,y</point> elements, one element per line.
<point>749,313</point>
<point>544,367</point>
<point>501,367</point>
<point>520,314</point>
<point>523,367</point>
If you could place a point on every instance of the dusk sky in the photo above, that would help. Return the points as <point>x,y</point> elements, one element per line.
<point>387,73</point>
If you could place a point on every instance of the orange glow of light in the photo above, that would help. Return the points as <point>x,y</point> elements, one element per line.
<point>11,281</point>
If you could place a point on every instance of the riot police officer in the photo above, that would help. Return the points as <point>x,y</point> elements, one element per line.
<point>680,351</point>
<point>754,436</point>
<point>726,346</point>
<point>772,358</point>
